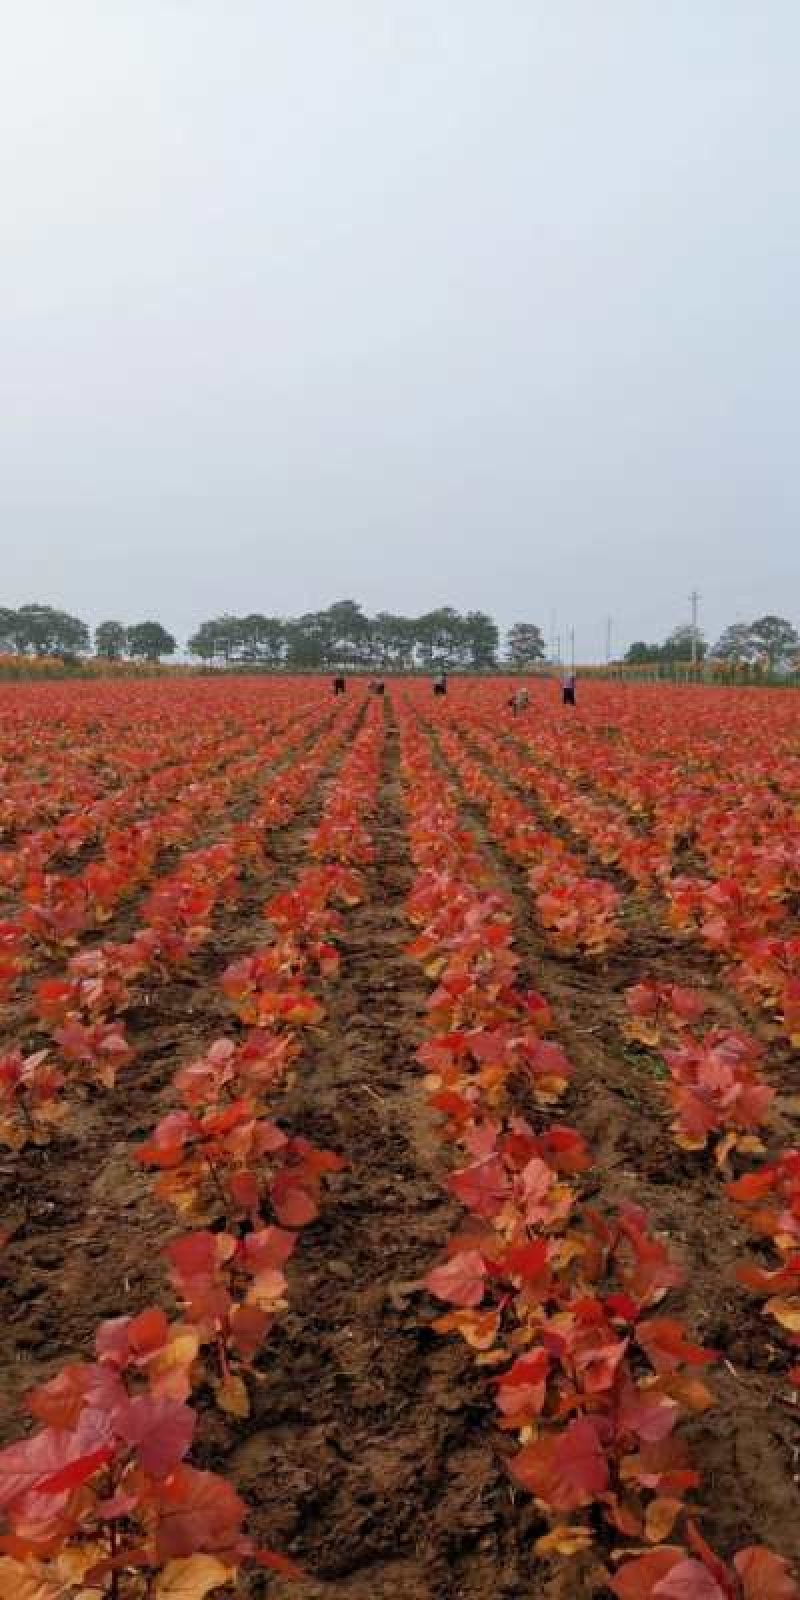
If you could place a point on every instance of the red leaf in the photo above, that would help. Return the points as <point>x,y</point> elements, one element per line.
<point>245,1191</point>
<point>267,1247</point>
<point>527,1261</point>
<point>565,1472</point>
<point>60,1402</point>
<point>651,1416</point>
<point>482,1188</point>
<point>200,1511</point>
<point>33,1461</point>
<point>637,1579</point>
<point>664,1340</point>
<point>642,999</point>
<point>194,1254</point>
<point>689,1580</point>
<point>148,1332</point>
<point>76,1473</point>
<point>293,1206</point>
<point>764,1576</point>
<point>248,1329</point>
<point>160,1429</point>
<point>580,1459</point>
<point>461,1280</point>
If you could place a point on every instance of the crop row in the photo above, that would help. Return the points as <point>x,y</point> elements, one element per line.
<point>100,1499</point>
<point>81,1008</point>
<point>559,1301</point>
<point>740,907</point>
<point>64,778</point>
<point>716,1089</point>
<point>129,832</point>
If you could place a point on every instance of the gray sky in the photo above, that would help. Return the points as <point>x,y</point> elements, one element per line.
<point>494,304</point>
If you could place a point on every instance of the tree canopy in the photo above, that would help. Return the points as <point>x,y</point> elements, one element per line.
<point>344,638</point>
<point>676,647</point>
<point>525,644</point>
<point>770,639</point>
<point>149,641</point>
<point>110,640</point>
<point>41,630</point>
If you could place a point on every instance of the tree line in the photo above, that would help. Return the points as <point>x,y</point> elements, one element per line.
<point>341,637</point>
<point>40,630</point>
<point>770,640</point>
<point>345,638</point>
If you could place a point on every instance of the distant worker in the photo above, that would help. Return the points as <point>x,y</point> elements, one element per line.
<point>568,690</point>
<point>520,700</point>
<point>338,686</point>
<point>376,686</point>
<point>440,684</point>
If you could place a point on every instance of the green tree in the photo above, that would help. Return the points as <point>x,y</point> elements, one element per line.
<point>253,639</point>
<point>110,640</point>
<point>150,641</point>
<point>391,641</point>
<point>440,638</point>
<point>307,642</point>
<point>640,654</point>
<point>203,643</point>
<point>678,644</point>
<point>775,638</point>
<point>482,637</point>
<point>43,631</point>
<point>525,644</point>
<point>228,635</point>
<point>8,628</point>
<point>262,639</point>
<point>223,637</point>
<point>346,635</point>
<point>735,643</point>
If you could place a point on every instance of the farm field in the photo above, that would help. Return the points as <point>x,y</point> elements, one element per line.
<point>399,1157</point>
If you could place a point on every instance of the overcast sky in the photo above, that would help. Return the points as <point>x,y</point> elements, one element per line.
<point>487,303</point>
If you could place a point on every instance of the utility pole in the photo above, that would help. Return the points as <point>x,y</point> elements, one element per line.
<point>695,600</point>
<point>572,650</point>
<point>608,641</point>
